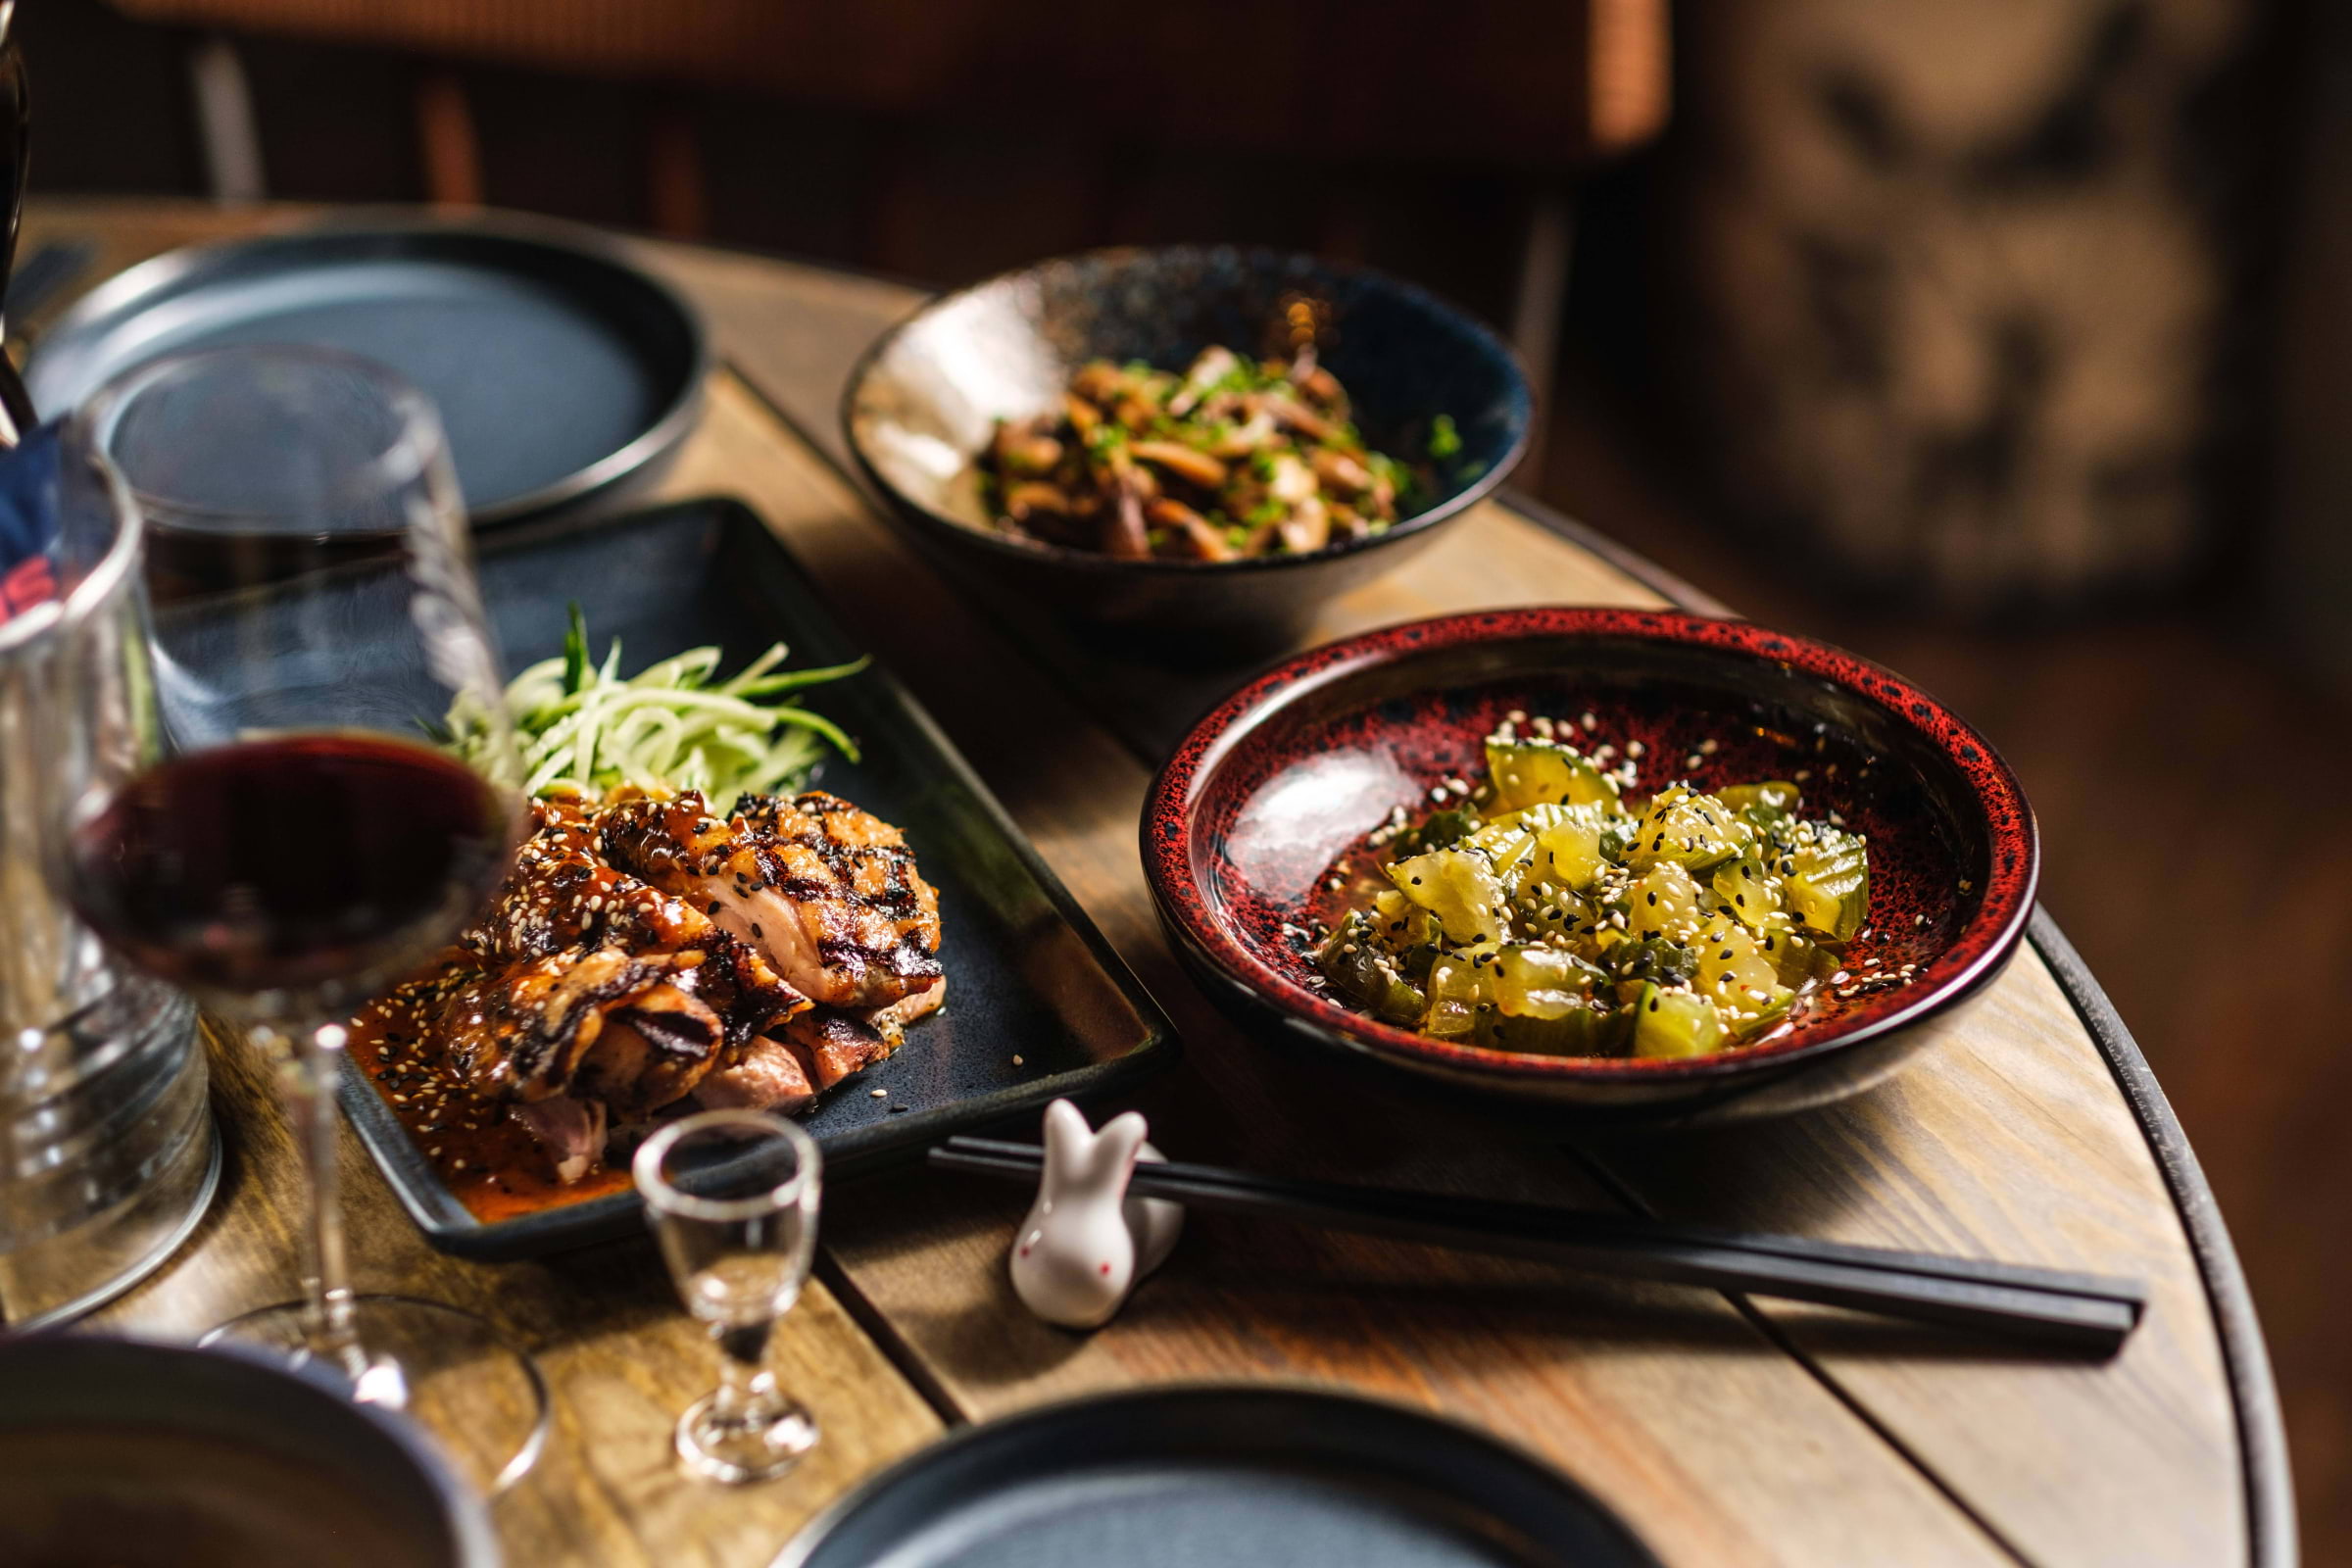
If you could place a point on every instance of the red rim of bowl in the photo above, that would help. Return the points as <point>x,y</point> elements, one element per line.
<point>1977,951</point>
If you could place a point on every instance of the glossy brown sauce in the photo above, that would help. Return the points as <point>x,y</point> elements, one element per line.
<point>488,1161</point>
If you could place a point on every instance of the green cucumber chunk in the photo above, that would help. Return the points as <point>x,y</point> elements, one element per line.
<point>1457,886</point>
<point>1360,970</point>
<point>1676,1024</point>
<point>1749,892</point>
<point>1761,805</point>
<point>1458,994</point>
<point>1828,883</point>
<point>1691,830</point>
<point>1534,981</point>
<point>1530,771</point>
<point>1578,1032</point>
<point>1572,849</point>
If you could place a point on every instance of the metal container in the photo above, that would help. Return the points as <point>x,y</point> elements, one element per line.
<point>108,1154</point>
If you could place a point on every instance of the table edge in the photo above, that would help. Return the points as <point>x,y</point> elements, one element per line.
<point>2266,1471</point>
<point>2246,1359</point>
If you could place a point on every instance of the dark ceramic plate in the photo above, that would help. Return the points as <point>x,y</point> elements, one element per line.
<point>1298,764</point>
<point>1028,974</point>
<point>925,399</point>
<point>561,369</point>
<point>1219,1478</point>
<point>158,1456</point>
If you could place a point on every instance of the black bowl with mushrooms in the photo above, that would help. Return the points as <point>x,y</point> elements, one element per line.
<point>1354,414</point>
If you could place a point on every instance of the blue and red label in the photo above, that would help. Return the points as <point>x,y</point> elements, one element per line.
<point>29,523</point>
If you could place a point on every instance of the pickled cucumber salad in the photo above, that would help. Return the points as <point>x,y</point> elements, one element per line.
<point>1546,912</point>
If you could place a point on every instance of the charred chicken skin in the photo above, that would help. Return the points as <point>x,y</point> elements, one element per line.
<point>647,953</point>
<point>826,892</point>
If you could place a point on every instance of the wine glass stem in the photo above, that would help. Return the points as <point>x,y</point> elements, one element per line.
<point>744,1382</point>
<point>307,1076</point>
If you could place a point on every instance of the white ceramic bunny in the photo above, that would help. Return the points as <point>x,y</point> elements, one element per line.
<point>1086,1243</point>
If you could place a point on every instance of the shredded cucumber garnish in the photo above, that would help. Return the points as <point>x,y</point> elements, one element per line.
<point>584,729</point>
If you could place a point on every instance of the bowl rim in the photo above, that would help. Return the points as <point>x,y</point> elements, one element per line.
<point>465,1513</point>
<point>1981,946</point>
<point>1037,551</point>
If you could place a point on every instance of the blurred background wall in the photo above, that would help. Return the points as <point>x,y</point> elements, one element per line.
<point>2003,340</point>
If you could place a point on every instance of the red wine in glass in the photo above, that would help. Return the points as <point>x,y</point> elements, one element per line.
<point>301,849</point>
<point>301,864</point>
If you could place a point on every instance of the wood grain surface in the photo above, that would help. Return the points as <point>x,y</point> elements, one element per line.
<point>1725,1430</point>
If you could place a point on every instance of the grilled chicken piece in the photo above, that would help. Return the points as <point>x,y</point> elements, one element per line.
<point>562,897</point>
<point>837,1043</point>
<point>770,1076</point>
<point>812,1051</point>
<point>827,893</point>
<point>571,1130</point>
<point>653,1049</point>
<point>646,953</point>
<point>623,1028</point>
<point>891,1020</point>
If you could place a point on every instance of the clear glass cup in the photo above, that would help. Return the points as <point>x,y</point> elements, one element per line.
<point>732,1196</point>
<point>297,843</point>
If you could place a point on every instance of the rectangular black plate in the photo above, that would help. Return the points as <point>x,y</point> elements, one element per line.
<point>1028,974</point>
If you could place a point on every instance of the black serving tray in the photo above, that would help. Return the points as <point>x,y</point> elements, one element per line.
<point>1218,1477</point>
<point>1028,974</point>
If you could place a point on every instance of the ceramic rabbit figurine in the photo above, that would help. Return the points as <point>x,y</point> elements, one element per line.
<point>1086,1243</point>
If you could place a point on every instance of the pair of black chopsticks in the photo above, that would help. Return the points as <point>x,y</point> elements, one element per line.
<point>2078,1311</point>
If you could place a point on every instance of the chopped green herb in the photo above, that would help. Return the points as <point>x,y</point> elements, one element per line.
<point>1444,439</point>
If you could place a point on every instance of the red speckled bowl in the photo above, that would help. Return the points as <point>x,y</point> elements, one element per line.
<point>1296,766</point>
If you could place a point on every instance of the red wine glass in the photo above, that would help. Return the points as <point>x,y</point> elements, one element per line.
<point>303,842</point>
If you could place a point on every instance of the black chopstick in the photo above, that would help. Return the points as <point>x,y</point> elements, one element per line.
<point>1543,1218</point>
<point>2081,1311</point>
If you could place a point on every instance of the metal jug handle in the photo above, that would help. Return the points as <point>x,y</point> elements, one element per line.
<point>16,416</point>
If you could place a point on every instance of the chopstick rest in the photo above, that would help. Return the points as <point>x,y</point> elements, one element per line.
<point>1087,1239</point>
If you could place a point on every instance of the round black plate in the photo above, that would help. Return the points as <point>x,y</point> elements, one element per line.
<point>135,1452</point>
<point>560,370</point>
<point>1218,1478</point>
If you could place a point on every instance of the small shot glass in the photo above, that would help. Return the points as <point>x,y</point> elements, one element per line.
<point>732,1196</point>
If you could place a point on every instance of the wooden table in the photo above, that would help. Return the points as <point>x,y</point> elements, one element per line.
<point>1725,1430</point>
